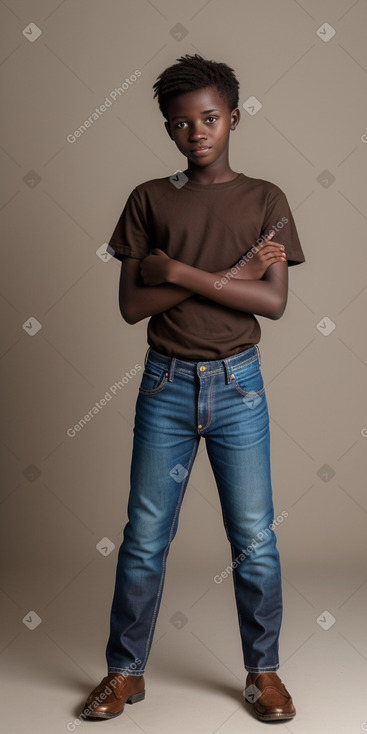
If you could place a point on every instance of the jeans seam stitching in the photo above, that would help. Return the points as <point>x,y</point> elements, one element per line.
<point>160,588</point>
<point>210,407</point>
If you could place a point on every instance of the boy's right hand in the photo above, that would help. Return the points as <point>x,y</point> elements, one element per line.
<point>268,253</point>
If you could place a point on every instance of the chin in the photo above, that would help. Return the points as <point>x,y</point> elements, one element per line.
<point>201,162</point>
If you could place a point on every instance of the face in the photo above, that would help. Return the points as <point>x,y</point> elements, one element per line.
<point>200,123</point>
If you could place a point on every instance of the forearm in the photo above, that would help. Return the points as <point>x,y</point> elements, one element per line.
<point>262,297</point>
<point>151,300</point>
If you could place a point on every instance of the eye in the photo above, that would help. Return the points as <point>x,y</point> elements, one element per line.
<point>179,124</point>
<point>211,118</point>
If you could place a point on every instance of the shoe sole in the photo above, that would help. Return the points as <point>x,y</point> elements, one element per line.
<point>134,698</point>
<point>274,717</point>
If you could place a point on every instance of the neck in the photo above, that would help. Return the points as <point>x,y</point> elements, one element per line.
<point>220,173</point>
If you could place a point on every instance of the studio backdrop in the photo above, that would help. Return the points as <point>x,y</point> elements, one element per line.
<point>81,131</point>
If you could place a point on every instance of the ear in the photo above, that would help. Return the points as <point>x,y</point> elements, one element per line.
<point>235,118</point>
<point>168,128</point>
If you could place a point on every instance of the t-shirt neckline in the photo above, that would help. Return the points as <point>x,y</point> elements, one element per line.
<point>195,186</point>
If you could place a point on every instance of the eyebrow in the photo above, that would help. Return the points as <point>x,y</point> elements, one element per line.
<point>184,117</point>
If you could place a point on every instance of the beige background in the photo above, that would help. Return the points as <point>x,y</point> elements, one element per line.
<point>62,495</point>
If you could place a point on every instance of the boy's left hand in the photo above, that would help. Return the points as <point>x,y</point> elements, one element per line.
<point>154,267</point>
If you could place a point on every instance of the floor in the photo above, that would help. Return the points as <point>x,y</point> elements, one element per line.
<point>195,676</point>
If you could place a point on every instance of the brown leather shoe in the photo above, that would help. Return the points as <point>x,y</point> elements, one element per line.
<point>109,697</point>
<point>269,696</point>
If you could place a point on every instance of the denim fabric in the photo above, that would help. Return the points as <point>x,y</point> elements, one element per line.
<point>179,402</point>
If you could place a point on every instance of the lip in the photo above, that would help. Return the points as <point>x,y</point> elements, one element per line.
<point>201,151</point>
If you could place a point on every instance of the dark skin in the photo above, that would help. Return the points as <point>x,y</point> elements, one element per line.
<point>158,282</point>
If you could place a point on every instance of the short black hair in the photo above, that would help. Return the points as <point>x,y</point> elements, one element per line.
<point>192,73</point>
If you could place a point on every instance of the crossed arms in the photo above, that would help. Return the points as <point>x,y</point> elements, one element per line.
<point>158,282</point>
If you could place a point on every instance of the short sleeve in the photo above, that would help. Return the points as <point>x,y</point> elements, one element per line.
<point>279,218</point>
<point>130,237</point>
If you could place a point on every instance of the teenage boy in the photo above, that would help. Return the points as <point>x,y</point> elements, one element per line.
<point>198,259</point>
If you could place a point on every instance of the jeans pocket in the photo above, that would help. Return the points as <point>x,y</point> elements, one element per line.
<point>153,380</point>
<point>248,380</point>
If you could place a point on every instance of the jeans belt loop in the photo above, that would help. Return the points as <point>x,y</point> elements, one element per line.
<point>226,370</point>
<point>146,357</point>
<point>172,369</point>
<point>258,353</point>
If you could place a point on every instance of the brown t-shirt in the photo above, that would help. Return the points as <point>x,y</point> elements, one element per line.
<point>209,226</point>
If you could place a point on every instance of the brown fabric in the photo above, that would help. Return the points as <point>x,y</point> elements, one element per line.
<point>209,226</point>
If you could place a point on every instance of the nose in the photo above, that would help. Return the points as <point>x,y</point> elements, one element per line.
<point>197,133</point>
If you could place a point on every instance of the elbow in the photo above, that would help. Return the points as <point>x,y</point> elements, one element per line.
<point>129,315</point>
<point>277,309</point>
<point>278,314</point>
<point>276,290</point>
<point>130,309</point>
<point>129,319</point>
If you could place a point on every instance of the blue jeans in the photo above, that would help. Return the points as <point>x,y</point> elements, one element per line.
<point>179,402</point>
